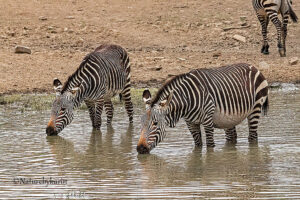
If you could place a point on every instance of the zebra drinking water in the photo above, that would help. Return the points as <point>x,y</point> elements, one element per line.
<point>101,75</point>
<point>215,98</point>
<point>268,10</point>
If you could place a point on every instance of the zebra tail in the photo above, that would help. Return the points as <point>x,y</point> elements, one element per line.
<point>265,106</point>
<point>293,14</point>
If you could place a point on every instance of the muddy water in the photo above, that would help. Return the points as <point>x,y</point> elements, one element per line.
<point>105,165</point>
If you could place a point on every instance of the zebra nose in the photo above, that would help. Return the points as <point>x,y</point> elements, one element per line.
<point>141,149</point>
<point>50,131</point>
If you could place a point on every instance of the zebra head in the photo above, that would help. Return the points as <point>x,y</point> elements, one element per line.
<point>62,109</point>
<point>153,123</point>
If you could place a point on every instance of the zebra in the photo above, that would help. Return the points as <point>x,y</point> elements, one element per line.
<point>215,98</point>
<point>101,75</point>
<point>268,10</point>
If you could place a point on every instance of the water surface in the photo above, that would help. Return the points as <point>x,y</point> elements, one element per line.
<point>105,165</point>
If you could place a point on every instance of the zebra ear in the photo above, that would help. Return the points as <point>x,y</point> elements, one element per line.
<point>166,102</point>
<point>147,96</point>
<point>57,86</point>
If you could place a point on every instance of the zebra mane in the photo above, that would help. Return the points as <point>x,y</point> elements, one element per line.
<point>68,83</point>
<point>167,85</point>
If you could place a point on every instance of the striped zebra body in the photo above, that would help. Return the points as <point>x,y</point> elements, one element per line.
<point>267,10</point>
<point>215,98</point>
<point>102,74</point>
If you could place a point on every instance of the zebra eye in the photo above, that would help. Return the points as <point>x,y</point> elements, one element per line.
<point>155,123</point>
<point>62,109</point>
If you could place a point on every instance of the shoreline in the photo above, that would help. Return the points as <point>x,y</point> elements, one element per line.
<point>43,101</point>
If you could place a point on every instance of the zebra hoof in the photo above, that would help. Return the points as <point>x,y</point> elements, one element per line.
<point>266,52</point>
<point>282,52</point>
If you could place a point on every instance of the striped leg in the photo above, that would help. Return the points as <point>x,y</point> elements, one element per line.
<point>128,104</point>
<point>253,119</point>
<point>264,21</point>
<point>109,109</point>
<point>99,109</point>
<point>92,111</point>
<point>285,20</point>
<point>196,133</point>
<point>231,135</point>
<point>274,18</point>
<point>209,131</point>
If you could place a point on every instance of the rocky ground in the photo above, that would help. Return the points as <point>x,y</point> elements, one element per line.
<point>163,38</point>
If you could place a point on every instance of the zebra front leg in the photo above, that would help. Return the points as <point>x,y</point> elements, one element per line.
<point>274,18</point>
<point>231,135</point>
<point>92,110</point>
<point>209,131</point>
<point>264,21</point>
<point>98,112</point>
<point>195,130</point>
<point>109,109</point>
<point>253,119</point>
<point>128,104</point>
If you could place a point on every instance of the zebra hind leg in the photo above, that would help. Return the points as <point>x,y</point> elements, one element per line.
<point>253,120</point>
<point>196,133</point>
<point>274,18</point>
<point>285,19</point>
<point>109,109</point>
<point>264,21</point>
<point>128,104</point>
<point>231,135</point>
<point>99,109</point>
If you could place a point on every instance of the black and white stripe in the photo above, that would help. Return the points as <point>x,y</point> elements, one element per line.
<point>215,98</point>
<point>102,74</point>
<point>268,10</point>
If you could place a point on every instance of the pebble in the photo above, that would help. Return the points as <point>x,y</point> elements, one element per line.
<point>22,49</point>
<point>157,68</point>
<point>294,60</point>
<point>69,17</point>
<point>243,18</point>
<point>216,54</point>
<point>264,65</point>
<point>42,18</point>
<point>239,38</point>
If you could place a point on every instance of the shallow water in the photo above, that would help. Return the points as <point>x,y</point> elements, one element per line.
<point>105,165</point>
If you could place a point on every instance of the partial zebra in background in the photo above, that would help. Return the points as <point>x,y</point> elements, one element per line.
<point>215,98</point>
<point>268,10</point>
<point>101,75</point>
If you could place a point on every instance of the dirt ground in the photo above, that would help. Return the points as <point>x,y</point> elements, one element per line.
<point>163,37</point>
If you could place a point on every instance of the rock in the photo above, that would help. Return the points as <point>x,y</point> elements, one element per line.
<point>216,54</point>
<point>227,22</point>
<point>157,68</point>
<point>182,59</point>
<point>239,38</point>
<point>42,18</point>
<point>22,49</point>
<point>294,60</point>
<point>243,18</point>
<point>69,17</point>
<point>264,65</point>
<point>275,85</point>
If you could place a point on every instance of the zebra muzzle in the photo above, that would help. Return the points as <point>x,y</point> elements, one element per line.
<point>50,131</point>
<point>142,146</point>
<point>141,149</point>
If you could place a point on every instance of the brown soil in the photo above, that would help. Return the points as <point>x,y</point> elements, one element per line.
<point>163,38</point>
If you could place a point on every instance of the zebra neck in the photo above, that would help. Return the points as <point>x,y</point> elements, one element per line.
<point>80,92</point>
<point>177,109</point>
